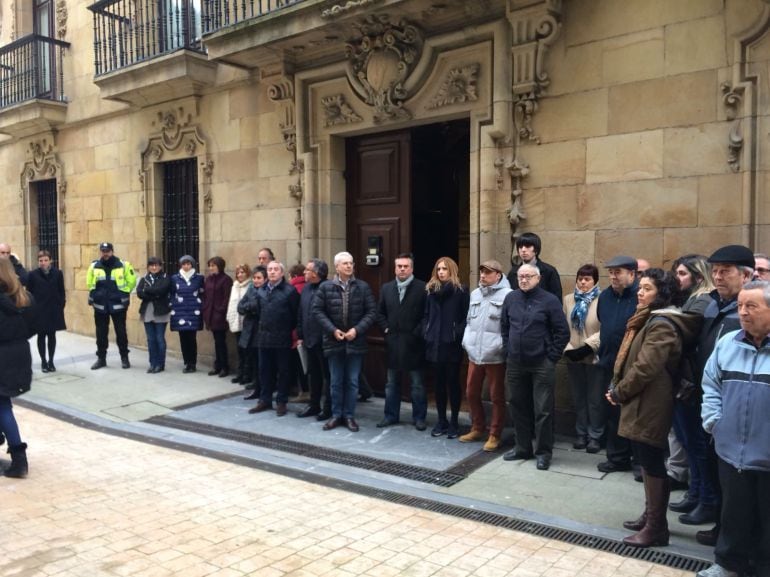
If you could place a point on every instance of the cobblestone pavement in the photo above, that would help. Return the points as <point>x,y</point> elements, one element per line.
<point>97,505</point>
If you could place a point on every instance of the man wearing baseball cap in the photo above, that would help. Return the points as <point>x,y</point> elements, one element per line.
<point>110,282</point>
<point>617,303</point>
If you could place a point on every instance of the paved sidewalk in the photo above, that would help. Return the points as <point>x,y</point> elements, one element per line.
<point>98,505</point>
<point>573,495</point>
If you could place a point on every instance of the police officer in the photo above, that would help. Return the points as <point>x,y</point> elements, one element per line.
<point>110,282</point>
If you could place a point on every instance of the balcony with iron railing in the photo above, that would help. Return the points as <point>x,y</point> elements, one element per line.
<point>148,51</point>
<point>31,85</point>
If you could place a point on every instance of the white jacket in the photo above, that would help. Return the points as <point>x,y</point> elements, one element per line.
<point>234,320</point>
<point>482,339</point>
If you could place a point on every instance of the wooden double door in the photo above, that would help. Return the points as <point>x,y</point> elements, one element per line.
<point>406,192</point>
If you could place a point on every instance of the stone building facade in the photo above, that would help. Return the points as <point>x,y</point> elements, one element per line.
<point>447,127</point>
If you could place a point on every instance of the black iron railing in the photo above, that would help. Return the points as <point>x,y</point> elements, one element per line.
<point>48,218</point>
<point>30,68</point>
<point>180,234</point>
<point>221,13</point>
<point>131,31</point>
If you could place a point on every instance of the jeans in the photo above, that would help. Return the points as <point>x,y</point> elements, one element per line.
<point>704,482</point>
<point>102,322</point>
<point>495,376</point>
<point>344,369</point>
<point>530,387</point>
<point>588,387</point>
<point>274,375</point>
<point>393,396</point>
<point>8,422</point>
<point>156,343</point>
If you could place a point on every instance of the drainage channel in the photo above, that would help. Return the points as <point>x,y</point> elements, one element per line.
<point>659,557</point>
<point>445,478</point>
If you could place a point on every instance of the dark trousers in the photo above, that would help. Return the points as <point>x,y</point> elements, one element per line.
<point>618,448</point>
<point>588,388</point>
<point>188,342</point>
<point>447,384</point>
<point>530,389</point>
<point>102,322</point>
<point>652,459</point>
<point>704,476</point>
<point>745,532</point>
<point>318,378</point>
<point>221,362</point>
<point>274,375</point>
<point>41,345</point>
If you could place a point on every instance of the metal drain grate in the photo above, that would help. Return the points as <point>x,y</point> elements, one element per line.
<point>659,557</point>
<point>411,472</point>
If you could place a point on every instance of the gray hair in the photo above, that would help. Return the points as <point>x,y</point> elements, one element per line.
<point>279,263</point>
<point>340,256</point>
<point>321,268</point>
<point>764,285</point>
<point>530,267</point>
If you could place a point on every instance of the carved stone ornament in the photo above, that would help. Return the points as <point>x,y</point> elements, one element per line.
<point>338,111</point>
<point>732,98</point>
<point>282,93</point>
<point>535,27</point>
<point>42,163</point>
<point>338,9</point>
<point>176,137</point>
<point>61,19</point>
<point>380,61</point>
<point>518,171</point>
<point>459,87</point>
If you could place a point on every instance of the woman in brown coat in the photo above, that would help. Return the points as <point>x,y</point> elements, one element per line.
<point>642,383</point>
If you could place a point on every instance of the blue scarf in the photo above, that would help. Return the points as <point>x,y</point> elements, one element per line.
<point>582,302</point>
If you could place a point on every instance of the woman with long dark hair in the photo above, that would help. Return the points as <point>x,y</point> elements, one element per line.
<point>16,326</point>
<point>643,383</point>
<point>446,309</point>
<point>46,284</point>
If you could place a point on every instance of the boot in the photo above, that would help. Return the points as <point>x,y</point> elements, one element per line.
<point>639,523</point>
<point>655,531</point>
<point>19,467</point>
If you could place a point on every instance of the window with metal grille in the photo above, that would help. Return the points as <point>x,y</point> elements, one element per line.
<point>47,214</point>
<point>180,211</point>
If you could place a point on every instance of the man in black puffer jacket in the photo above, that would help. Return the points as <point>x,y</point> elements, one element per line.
<point>345,308</point>
<point>277,303</point>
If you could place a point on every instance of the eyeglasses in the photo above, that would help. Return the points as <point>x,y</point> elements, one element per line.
<point>525,276</point>
<point>760,270</point>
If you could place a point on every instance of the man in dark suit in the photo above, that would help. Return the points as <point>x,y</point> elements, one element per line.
<point>399,314</point>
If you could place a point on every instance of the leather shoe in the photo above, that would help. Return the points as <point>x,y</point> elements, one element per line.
<point>44,367</point>
<point>260,407</point>
<point>158,370</point>
<point>124,363</point>
<point>543,462</point>
<point>580,444</point>
<point>593,446</point>
<point>332,423</point>
<point>323,416</point>
<point>309,411</point>
<point>280,409</point>
<point>420,425</point>
<point>254,395</point>
<point>189,369</point>
<point>223,373</point>
<point>385,423</point>
<point>51,368</point>
<point>213,372</point>
<point>352,425</point>
<point>514,455</point>
<point>701,515</point>
<point>610,467</point>
<point>708,537</point>
<point>98,364</point>
<point>686,505</point>
<point>150,370</point>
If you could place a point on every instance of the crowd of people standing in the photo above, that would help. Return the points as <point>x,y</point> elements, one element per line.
<point>669,370</point>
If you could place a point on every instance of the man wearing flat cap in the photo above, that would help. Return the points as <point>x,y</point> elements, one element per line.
<point>110,282</point>
<point>483,341</point>
<point>617,303</point>
<point>732,266</point>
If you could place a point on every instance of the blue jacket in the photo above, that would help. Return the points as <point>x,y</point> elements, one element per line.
<point>613,311</point>
<point>186,303</point>
<point>270,316</point>
<point>736,401</point>
<point>533,326</point>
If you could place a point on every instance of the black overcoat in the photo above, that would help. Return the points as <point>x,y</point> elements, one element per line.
<point>401,321</point>
<point>15,358</point>
<point>446,312</point>
<point>48,290</point>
